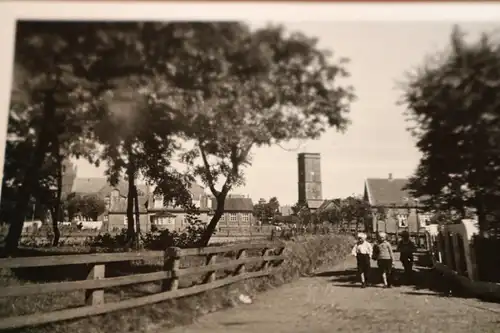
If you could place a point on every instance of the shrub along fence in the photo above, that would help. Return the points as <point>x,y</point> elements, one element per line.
<point>216,269</point>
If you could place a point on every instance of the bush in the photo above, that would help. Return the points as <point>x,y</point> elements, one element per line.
<point>155,239</point>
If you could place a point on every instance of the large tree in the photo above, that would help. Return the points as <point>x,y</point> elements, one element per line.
<point>244,88</point>
<point>70,65</point>
<point>88,206</point>
<point>266,211</point>
<point>454,104</point>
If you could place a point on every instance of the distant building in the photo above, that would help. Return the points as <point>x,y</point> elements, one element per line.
<point>286,210</point>
<point>173,217</point>
<point>115,198</point>
<point>238,212</point>
<point>310,192</point>
<point>403,212</point>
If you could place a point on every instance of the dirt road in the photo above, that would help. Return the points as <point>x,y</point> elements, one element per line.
<point>331,302</point>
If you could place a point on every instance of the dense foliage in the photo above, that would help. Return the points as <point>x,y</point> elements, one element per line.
<point>138,96</point>
<point>454,105</point>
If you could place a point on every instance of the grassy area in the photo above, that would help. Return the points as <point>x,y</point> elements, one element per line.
<point>302,258</point>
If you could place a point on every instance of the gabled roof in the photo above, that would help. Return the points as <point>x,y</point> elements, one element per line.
<point>120,207</point>
<point>327,205</point>
<point>100,186</point>
<point>235,204</point>
<point>386,191</point>
<point>196,190</point>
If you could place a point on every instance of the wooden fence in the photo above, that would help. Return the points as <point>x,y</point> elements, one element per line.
<point>259,258</point>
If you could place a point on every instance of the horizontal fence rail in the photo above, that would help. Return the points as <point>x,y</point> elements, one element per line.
<point>260,259</point>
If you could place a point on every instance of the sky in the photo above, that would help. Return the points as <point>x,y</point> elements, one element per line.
<point>377,142</point>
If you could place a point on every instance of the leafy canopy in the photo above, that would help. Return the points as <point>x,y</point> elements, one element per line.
<point>454,105</point>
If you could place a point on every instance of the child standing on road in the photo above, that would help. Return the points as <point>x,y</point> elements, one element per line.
<point>362,251</point>
<point>385,257</point>
<point>407,248</point>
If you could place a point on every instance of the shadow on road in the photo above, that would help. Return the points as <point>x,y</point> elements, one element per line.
<point>347,272</point>
<point>416,293</point>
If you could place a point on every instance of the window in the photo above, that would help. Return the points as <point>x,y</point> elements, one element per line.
<point>125,220</point>
<point>246,217</point>
<point>402,221</point>
<point>232,217</point>
<point>165,220</point>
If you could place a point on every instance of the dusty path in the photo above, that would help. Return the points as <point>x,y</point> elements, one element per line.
<point>332,303</point>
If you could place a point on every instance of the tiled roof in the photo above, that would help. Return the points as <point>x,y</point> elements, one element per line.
<point>102,187</point>
<point>235,204</point>
<point>327,205</point>
<point>385,191</point>
<point>120,207</point>
<point>197,191</point>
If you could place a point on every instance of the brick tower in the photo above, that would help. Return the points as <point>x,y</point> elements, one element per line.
<point>309,165</point>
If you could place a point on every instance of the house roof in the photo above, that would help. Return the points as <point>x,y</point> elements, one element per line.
<point>235,204</point>
<point>120,207</point>
<point>327,205</point>
<point>88,185</point>
<point>101,187</point>
<point>197,191</point>
<point>387,191</point>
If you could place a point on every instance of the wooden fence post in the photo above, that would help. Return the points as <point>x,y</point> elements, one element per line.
<point>210,277</point>
<point>265,263</point>
<point>96,296</point>
<point>171,263</point>
<point>241,268</point>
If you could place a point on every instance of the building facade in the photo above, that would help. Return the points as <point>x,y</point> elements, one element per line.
<point>310,191</point>
<point>238,212</point>
<point>401,210</point>
<point>174,217</point>
<point>115,198</point>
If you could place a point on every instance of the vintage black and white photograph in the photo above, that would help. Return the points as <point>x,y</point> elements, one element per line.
<point>251,175</point>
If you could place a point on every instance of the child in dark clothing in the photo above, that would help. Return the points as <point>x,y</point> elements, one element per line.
<point>406,248</point>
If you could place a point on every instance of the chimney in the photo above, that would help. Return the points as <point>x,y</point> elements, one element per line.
<point>390,176</point>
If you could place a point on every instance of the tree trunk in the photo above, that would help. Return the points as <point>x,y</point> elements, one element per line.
<point>130,211</point>
<point>212,226</point>
<point>137,217</point>
<point>130,196</point>
<point>31,177</point>
<point>57,208</point>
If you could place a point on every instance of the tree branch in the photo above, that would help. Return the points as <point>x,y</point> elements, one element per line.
<point>208,174</point>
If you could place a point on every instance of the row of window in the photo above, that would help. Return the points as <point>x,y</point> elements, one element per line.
<point>233,217</point>
<point>403,220</point>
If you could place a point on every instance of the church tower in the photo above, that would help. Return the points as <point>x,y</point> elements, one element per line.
<point>309,165</point>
